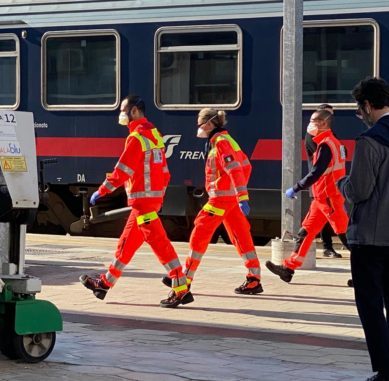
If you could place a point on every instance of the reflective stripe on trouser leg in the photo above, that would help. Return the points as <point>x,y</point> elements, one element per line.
<point>192,263</point>
<point>154,234</point>
<point>238,230</point>
<point>313,223</point>
<point>130,240</point>
<point>205,226</point>
<point>251,262</point>
<point>178,283</point>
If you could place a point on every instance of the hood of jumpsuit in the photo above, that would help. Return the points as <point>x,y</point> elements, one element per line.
<point>144,127</point>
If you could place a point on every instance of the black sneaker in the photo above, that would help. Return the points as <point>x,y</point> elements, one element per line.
<point>173,300</point>
<point>96,285</point>
<point>250,286</point>
<point>283,272</point>
<point>331,253</point>
<point>350,283</point>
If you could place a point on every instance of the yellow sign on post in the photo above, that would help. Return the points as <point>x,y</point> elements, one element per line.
<point>13,164</point>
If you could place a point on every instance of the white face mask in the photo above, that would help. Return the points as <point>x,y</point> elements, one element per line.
<point>201,133</point>
<point>312,129</point>
<point>123,119</point>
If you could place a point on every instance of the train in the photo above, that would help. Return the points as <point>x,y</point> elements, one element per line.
<point>71,62</point>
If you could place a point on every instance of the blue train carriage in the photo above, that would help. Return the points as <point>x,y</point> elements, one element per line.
<point>70,63</point>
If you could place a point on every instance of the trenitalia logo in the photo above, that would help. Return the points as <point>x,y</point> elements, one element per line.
<point>170,142</point>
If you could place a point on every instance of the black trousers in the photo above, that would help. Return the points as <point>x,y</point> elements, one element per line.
<point>370,272</point>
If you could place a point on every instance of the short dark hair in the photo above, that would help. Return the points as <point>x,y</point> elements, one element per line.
<point>324,106</point>
<point>372,89</point>
<point>137,101</point>
<point>324,115</point>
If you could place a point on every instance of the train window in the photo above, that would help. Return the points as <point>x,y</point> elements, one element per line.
<point>198,66</point>
<point>9,71</point>
<point>81,70</point>
<point>337,55</point>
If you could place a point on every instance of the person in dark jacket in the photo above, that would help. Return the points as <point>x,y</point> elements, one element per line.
<point>367,189</point>
<point>327,231</point>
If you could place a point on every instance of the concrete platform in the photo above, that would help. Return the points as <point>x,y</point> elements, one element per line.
<point>305,330</point>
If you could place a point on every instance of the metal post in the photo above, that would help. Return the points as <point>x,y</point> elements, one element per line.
<point>292,107</point>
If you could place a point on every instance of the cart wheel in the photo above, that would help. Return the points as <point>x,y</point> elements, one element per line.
<point>35,347</point>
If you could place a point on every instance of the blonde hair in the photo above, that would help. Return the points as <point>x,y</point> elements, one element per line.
<point>218,117</point>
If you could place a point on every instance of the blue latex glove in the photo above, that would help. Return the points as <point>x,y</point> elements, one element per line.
<point>95,196</point>
<point>290,193</point>
<point>244,207</point>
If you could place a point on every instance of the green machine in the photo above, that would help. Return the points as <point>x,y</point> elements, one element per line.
<point>28,326</point>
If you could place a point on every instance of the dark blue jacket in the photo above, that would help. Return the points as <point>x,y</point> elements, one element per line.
<point>367,187</point>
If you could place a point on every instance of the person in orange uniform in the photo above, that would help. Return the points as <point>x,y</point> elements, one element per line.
<point>143,170</point>
<point>227,173</point>
<point>329,165</point>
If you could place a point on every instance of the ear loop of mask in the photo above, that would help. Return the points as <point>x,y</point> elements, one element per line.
<point>210,119</point>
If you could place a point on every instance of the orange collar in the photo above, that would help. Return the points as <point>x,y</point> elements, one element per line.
<point>319,138</point>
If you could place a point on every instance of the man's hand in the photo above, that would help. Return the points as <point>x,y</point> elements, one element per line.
<point>244,207</point>
<point>290,193</point>
<point>95,196</point>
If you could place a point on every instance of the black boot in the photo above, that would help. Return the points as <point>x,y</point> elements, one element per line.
<point>96,285</point>
<point>350,283</point>
<point>250,286</point>
<point>283,272</point>
<point>175,299</point>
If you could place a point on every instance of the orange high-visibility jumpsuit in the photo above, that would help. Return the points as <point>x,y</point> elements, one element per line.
<point>327,204</point>
<point>143,170</point>
<point>227,172</point>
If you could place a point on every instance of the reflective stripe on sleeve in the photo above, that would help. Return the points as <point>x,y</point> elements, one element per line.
<point>109,186</point>
<point>124,168</point>
<point>242,188</point>
<point>232,165</point>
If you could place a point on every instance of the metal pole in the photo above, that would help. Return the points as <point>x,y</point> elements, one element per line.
<point>292,74</point>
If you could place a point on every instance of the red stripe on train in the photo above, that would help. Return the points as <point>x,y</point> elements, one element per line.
<point>80,147</point>
<point>271,149</point>
<point>265,149</point>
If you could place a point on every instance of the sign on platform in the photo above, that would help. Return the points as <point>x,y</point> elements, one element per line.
<point>18,157</point>
<point>13,164</point>
<point>9,145</point>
